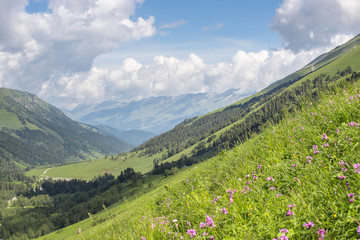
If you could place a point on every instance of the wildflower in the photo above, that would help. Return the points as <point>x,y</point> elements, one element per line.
<point>212,237</point>
<point>210,221</point>
<point>175,220</point>
<point>188,223</point>
<point>309,225</point>
<point>302,128</point>
<point>270,179</point>
<point>191,232</point>
<point>358,230</point>
<point>214,200</point>
<point>309,157</point>
<point>351,124</point>
<point>325,145</point>
<point>291,206</point>
<point>289,213</point>
<point>356,165</point>
<point>205,234</point>
<point>272,188</point>
<point>321,232</point>
<point>342,177</point>
<point>231,199</point>
<point>351,200</point>
<point>294,165</point>
<point>324,136</point>
<point>278,195</point>
<point>202,224</point>
<point>224,211</point>
<point>342,163</point>
<point>284,230</point>
<point>344,169</point>
<point>258,166</point>
<point>337,131</point>
<point>143,238</point>
<point>315,147</point>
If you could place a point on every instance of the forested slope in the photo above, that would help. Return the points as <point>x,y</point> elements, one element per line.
<point>33,132</point>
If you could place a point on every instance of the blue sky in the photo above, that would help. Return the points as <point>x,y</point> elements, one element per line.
<point>88,51</point>
<point>214,30</point>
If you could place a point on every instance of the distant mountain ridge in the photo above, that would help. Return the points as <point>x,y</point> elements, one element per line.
<point>134,137</point>
<point>155,114</point>
<point>33,132</point>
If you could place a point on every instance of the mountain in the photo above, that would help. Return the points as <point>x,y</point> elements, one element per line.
<point>155,114</point>
<point>134,137</point>
<point>33,132</point>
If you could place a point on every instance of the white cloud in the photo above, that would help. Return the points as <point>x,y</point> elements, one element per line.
<point>246,71</point>
<point>307,24</point>
<point>36,47</point>
<point>172,25</point>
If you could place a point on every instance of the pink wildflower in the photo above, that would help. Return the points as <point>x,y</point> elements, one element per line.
<point>324,136</point>
<point>309,225</point>
<point>191,232</point>
<point>224,211</point>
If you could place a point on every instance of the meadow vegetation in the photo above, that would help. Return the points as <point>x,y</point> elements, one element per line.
<point>299,179</point>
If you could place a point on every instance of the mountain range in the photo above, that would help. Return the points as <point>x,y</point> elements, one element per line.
<point>155,114</point>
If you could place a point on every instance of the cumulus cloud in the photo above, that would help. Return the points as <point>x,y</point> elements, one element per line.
<point>246,71</point>
<point>66,39</point>
<point>307,24</point>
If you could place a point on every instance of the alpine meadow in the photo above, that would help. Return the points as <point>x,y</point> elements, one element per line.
<point>106,132</point>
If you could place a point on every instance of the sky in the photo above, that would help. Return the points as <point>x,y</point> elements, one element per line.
<point>89,51</point>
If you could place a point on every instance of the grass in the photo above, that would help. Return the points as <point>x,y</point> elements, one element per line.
<point>274,181</point>
<point>89,169</point>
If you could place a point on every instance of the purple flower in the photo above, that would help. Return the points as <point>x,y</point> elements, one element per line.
<point>278,195</point>
<point>284,230</point>
<point>309,225</point>
<point>143,238</point>
<point>344,169</point>
<point>291,206</point>
<point>258,166</point>
<point>210,222</point>
<point>191,232</point>
<point>315,147</point>
<point>342,163</point>
<point>205,234</point>
<point>358,230</point>
<point>202,225</point>
<point>224,211</point>
<point>289,213</point>
<point>272,188</point>
<point>342,177</point>
<point>321,232</point>
<point>351,200</point>
<point>357,165</point>
<point>324,136</point>
<point>212,238</point>
<point>270,179</point>
<point>325,145</point>
<point>309,157</point>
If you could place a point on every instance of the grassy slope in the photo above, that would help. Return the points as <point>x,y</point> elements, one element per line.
<point>257,211</point>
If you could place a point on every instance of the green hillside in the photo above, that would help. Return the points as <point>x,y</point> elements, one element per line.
<point>299,178</point>
<point>33,132</point>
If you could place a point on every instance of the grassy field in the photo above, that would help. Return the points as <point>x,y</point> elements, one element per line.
<point>299,179</point>
<point>94,167</point>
